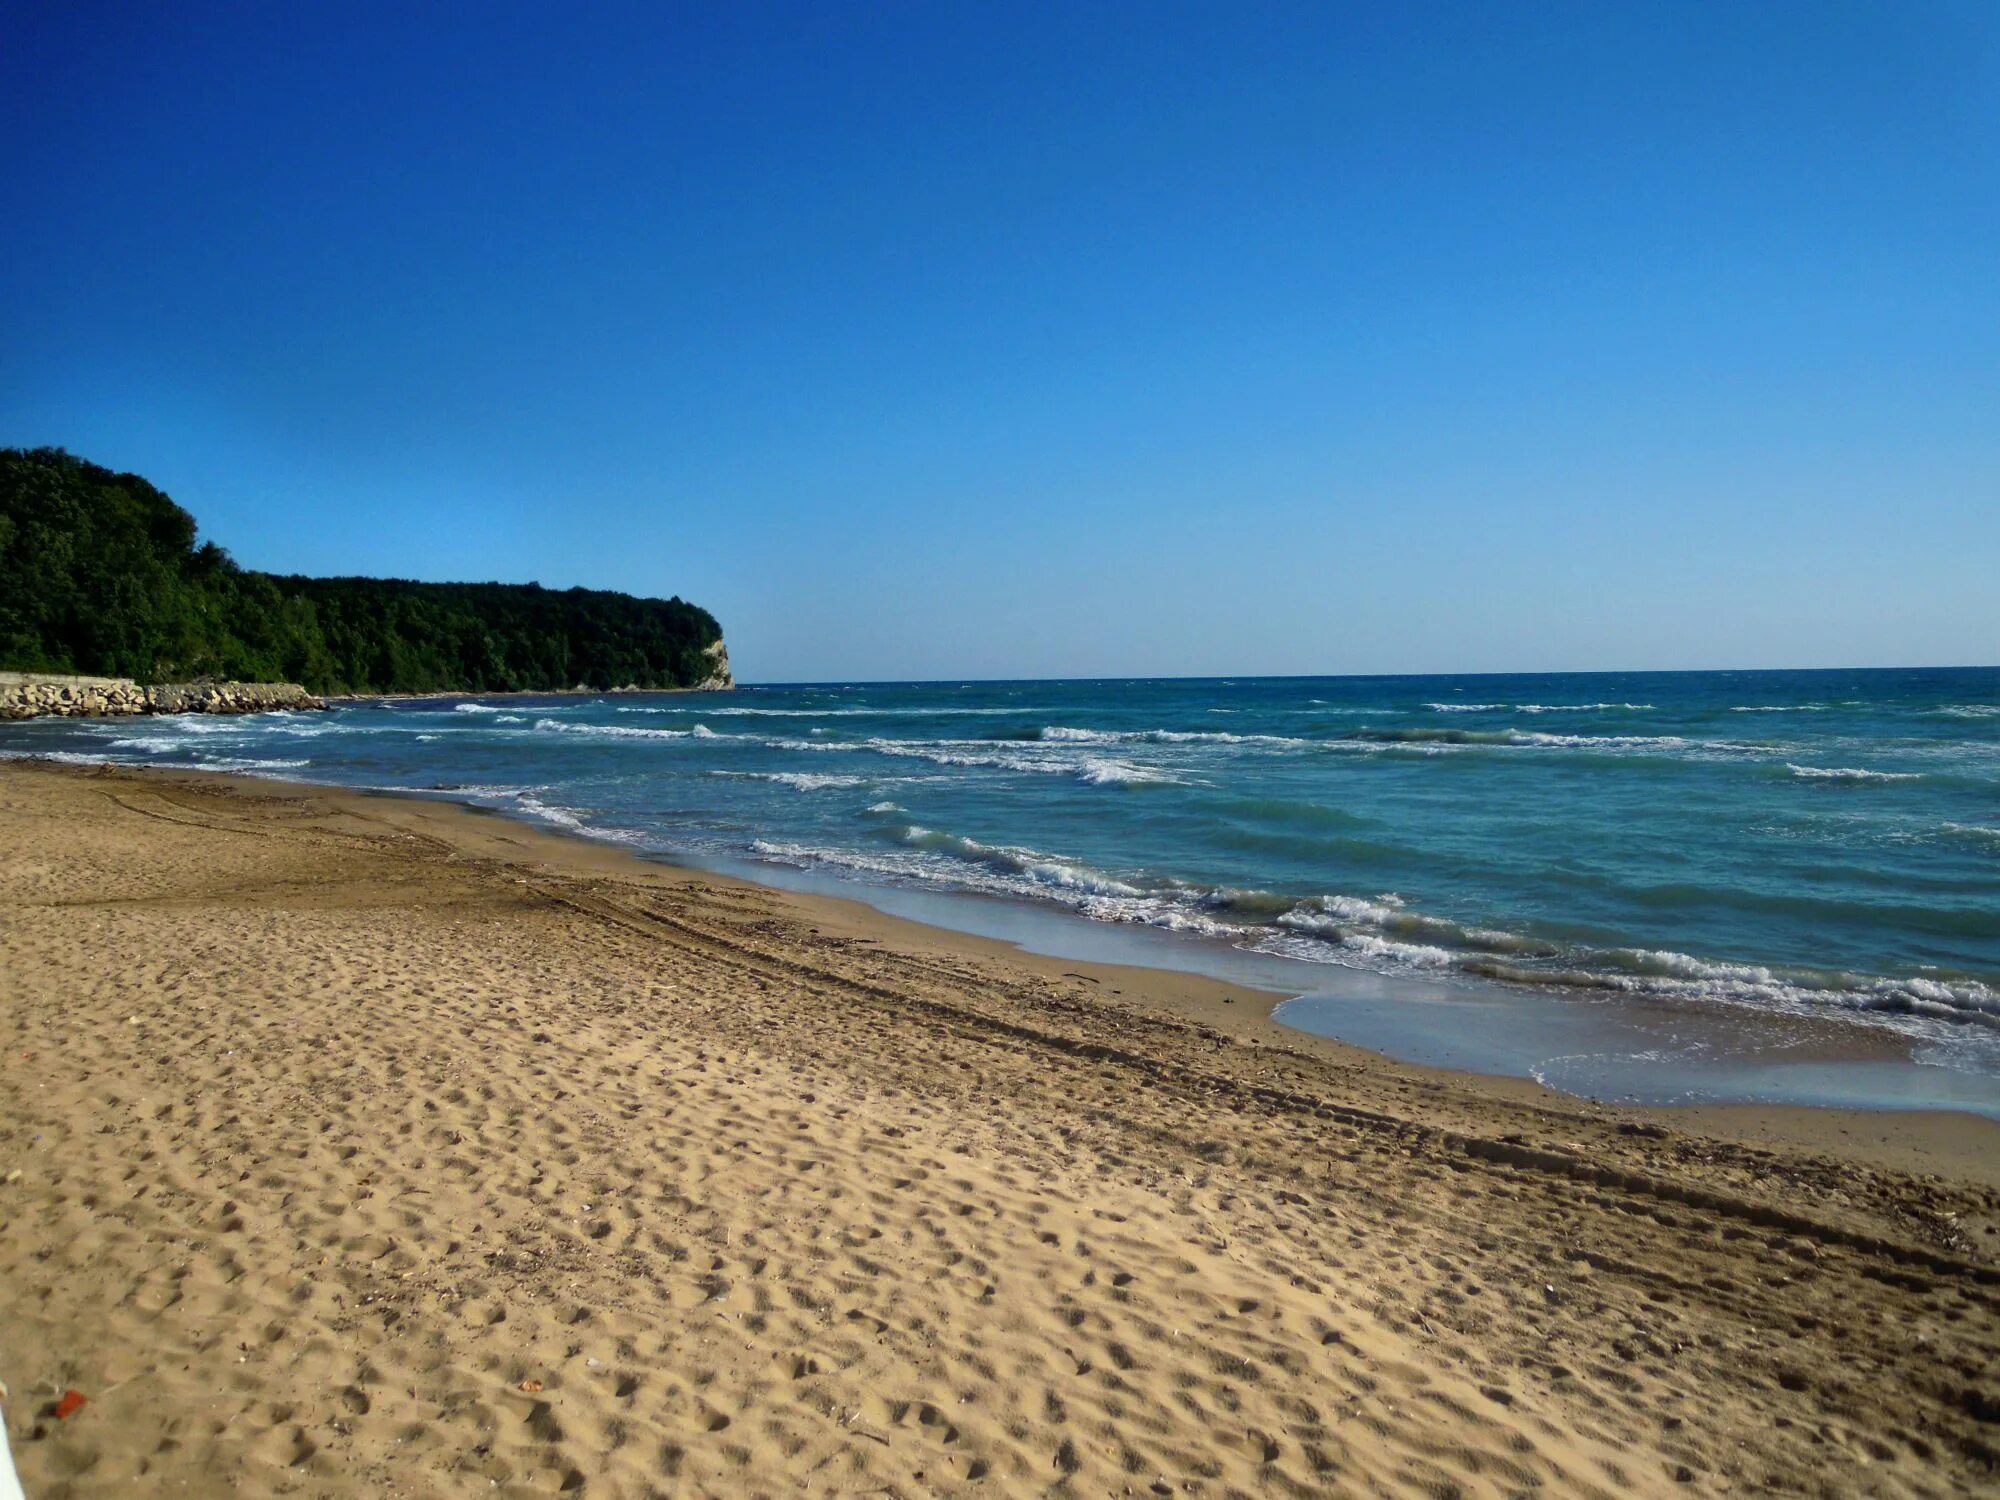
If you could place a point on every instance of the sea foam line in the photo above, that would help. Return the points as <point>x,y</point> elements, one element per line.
<point>1849,773</point>
<point>1537,708</point>
<point>627,732</point>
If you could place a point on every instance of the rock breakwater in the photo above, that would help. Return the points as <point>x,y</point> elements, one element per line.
<point>29,695</point>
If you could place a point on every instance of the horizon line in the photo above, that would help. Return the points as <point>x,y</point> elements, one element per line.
<point>1232,677</point>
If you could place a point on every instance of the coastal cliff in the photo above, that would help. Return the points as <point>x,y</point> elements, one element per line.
<point>719,678</point>
<point>101,573</point>
<point>26,695</point>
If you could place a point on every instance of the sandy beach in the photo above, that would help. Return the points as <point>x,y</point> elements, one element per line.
<point>364,1146</point>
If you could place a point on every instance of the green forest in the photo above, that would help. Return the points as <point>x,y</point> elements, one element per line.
<point>101,574</point>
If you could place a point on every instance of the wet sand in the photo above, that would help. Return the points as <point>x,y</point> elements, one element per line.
<point>372,1146</point>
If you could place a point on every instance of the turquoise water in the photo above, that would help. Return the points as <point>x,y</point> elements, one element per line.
<point>1782,844</point>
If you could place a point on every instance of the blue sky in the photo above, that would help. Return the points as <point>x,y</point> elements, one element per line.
<point>926,340</point>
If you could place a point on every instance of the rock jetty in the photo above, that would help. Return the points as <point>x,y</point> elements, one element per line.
<point>30,695</point>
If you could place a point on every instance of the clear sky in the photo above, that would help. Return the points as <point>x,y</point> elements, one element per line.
<point>930,340</point>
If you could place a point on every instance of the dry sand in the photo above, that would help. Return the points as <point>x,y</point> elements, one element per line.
<point>369,1147</point>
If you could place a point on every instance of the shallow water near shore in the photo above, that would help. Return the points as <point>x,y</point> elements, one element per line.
<point>1654,887</point>
<point>1628,1050</point>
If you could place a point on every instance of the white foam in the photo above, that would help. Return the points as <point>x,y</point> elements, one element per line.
<point>1078,736</point>
<point>1613,741</point>
<point>66,757</point>
<point>1064,734</point>
<point>1415,955</point>
<point>1097,771</point>
<point>621,731</point>
<point>1986,832</point>
<point>1580,708</point>
<point>799,781</point>
<point>932,858</point>
<point>744,711</point>
<point>1010,756</point>
<point>1849,773</point>
<point>571,819</point>
<point>1356,950</point>
<point>1537,708</point>
<point>1326,914</point>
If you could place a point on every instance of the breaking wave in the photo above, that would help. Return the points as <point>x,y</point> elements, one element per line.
<point>1538,708</point>
<point>799,781</point>
<point>1849,774</point>
<point>621,731</point>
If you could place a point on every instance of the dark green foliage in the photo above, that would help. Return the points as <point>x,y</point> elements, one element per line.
<point>100,574</point>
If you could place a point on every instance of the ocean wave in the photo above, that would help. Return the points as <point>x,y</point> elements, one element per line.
<point>621,731</point>
<point>1064,734</point>
<point>528,801</point>
<point>474,708</point>
<point>1091,770</point>
<point>1779,708</point>
<point>1040,869</point>
<point>1507,738</point>
<point>745,711</point>
<point>1098,771</point>
<point>1969,710</point>
<point>574,820</point>
<point>205,724</point>
<point>1357,932</point>
<point>1669,975</point>
<point>1250,905</point>
<point>1849,774</point>
<point>799,781</point>
<point>63,757</point>
<point>1581,708</point>
<point>1415,955</point>
<point>929,857</point>
<point>1536,739</point>
<point>1537,708</point>
<point>1341,918</point>
<point>204,762</point>
<point>1987,833</point>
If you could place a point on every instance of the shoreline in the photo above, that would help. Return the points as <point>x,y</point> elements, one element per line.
<point>1909,1138</point>
<point>1387,1015</point>
<point>1381,1016</point>
<point>359,1143</point>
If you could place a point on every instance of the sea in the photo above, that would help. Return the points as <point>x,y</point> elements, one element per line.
<point>1648,887</point>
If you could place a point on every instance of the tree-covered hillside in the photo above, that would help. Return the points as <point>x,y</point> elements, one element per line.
<point>100,574</point>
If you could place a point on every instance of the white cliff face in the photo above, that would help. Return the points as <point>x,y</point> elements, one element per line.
<point>719,678</point>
